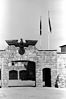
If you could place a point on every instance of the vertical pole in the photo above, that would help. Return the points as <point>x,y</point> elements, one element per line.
<point>40,30</point>
<point>48,45</point>
<point>40,42</point>
<point>48,42</point>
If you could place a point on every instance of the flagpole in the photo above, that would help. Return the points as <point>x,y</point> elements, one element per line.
<point>49,29</point>
<point>48,35</point>
<point>48,42</point>
<point>40,42</point>
<point>40,31</point>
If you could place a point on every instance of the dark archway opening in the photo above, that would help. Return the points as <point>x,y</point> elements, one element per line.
<point>31,68</point>
<point>23,75</point>
<point>27,76</point>
<point>47,77</point>
<point>13,75</point>
<point>29,73</point>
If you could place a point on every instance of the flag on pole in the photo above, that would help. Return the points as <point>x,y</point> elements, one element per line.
<point>40,26</point>
<point>50,28</point>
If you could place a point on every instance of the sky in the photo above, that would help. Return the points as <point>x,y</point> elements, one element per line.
<point>21,19</point>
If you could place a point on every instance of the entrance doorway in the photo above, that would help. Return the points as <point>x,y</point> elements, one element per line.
<point>25,77</point>
<point>47,77</point>
<point>31,68</point>
<point>13,75</point>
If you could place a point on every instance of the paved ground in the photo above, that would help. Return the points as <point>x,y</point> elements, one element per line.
<point>32,93</point>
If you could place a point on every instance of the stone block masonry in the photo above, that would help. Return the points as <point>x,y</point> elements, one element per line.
<point>61,69</point>
<point>44,59</point>
<point>47,59</point>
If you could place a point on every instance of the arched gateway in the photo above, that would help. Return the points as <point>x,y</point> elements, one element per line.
<point>25,76</point>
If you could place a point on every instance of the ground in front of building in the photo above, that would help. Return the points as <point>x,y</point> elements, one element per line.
<point>32,93</point>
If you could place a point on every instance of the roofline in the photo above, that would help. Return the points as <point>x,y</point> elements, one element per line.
<point>62,46</point>
<point>47,50</point>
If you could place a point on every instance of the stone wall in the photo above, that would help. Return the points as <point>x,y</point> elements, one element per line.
<point>61,69</point>
<point>43,59</point>
<point>11,54</point>
<point>46,59</point>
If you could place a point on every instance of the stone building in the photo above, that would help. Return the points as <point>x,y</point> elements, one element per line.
<point>34,67</point>
<point>61,67</point>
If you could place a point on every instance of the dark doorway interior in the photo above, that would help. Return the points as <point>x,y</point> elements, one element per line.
<point>31,71</point>
<point>28,75</point>
<point>13,75</point>
<point>47,77</point>
<point>23,75</point>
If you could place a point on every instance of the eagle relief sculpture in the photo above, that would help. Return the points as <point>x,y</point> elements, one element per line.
<point>21,44</point>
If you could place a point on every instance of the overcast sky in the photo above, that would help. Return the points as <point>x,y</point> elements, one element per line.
<point>21,19</point>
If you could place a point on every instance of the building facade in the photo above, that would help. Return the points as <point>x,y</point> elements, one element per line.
<point>40,68</point>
